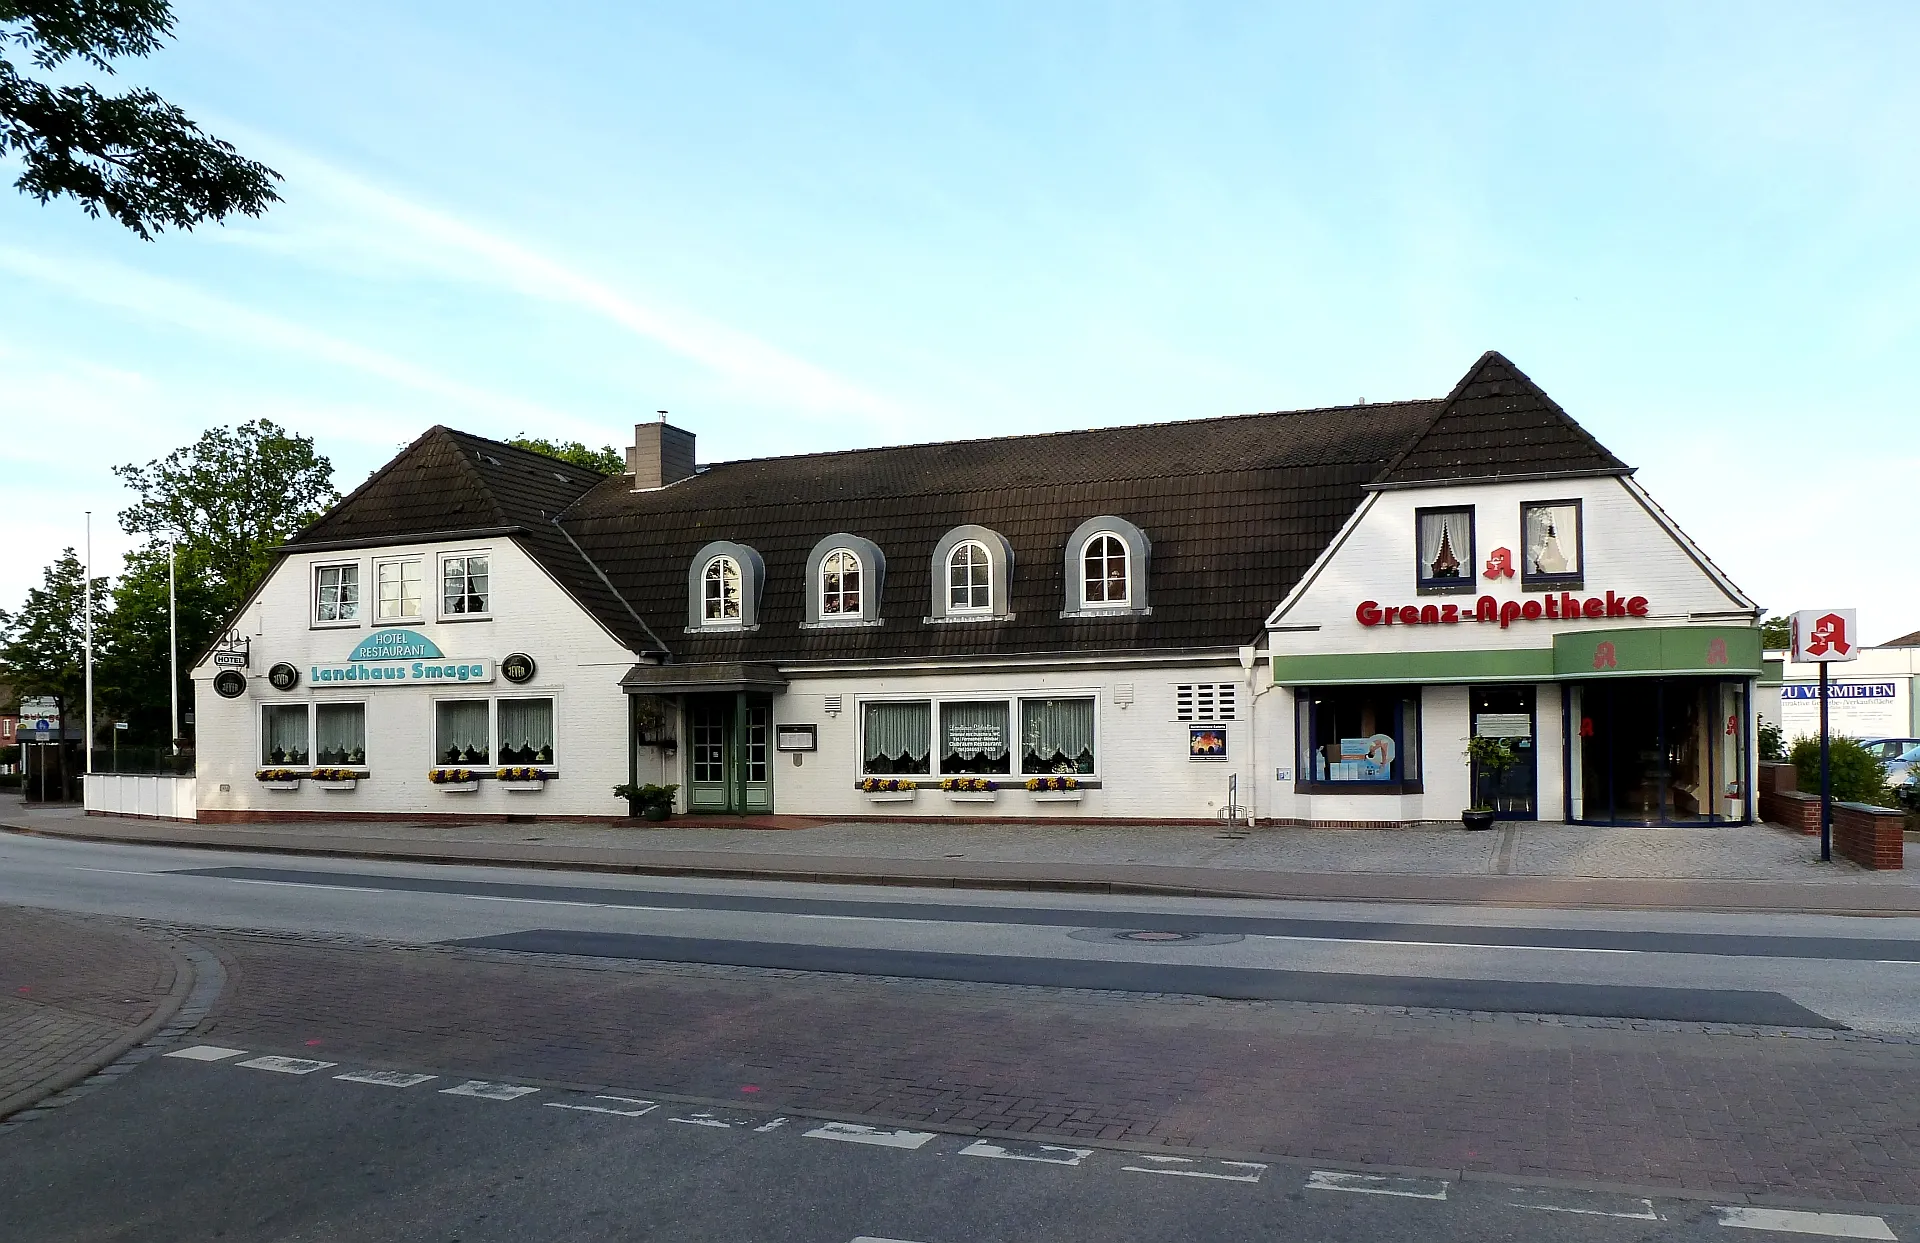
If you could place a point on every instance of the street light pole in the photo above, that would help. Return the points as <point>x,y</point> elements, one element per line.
<point>173,660</point>
<point>88,606</point>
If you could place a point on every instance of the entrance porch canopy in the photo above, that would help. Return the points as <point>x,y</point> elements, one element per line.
<point>717,678</point>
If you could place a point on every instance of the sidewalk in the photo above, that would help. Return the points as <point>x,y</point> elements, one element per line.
<point>1755,867</point>
<point>74,995</point>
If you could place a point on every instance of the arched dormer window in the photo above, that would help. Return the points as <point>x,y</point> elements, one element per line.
<point>972,574</point>
<point>724,582</point>
<point>720,592</point>
<point>1106,570</point>
<point>969,578</point>
<point>846,576</point>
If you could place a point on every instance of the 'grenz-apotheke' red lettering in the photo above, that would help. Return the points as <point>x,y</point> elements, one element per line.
<point>1564,606</point>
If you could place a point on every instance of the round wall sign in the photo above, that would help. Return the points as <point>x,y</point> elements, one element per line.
<point>229,684</point>
<point>284,677</point>
<point>517,668</point>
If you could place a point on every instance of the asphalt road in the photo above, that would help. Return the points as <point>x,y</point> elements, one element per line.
<point>197,1150</point>
<point>1772,970</point>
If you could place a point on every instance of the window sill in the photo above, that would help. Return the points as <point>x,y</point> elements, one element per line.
<point>415,620</point>
<point>955,619</point>
<point>1447,587</point>
<point>717,628</point>
<point>1117,611</point>
<point>851,623</point>
<point>1569,582</point>
<point>1359,787</point>
<point>334,625</point>
<point>466,617</point>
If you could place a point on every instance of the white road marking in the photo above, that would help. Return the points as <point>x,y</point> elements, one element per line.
<point>116,871</point>
<point>295,884</point>
<point>489,1091</point>
<point>853,1133</point>
<point>1447,945</point>
<point>1049,1154</point>
<point>893,919</point>
<point>868,1238</point>
<point>645,1106</point>
<point>1378,1185</point>
<point>703,1119</point>
<point>1789,1221</point>
<point>777,1122</point>
<point>1167,1165</point>
<point>206,1053</point>
<point>285,1065</point>
<point>487,897</point>
<point>1586,1204</point>
<point>386,1078</point>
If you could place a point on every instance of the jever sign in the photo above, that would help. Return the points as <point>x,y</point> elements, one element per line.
<point>1548,607</point>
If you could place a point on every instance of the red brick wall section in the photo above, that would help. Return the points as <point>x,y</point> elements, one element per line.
<point>1870,836</point>
<point>1790,810</point>
<point>1778,779</point>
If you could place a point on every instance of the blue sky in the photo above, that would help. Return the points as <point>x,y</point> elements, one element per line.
<point>815,226</point>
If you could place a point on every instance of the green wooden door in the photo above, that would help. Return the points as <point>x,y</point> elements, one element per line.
<point>710,726</point>
<point>729,761</point>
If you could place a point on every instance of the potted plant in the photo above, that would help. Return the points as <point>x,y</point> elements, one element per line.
<point>335,778</point>
<point>279,778</point>
<point>1491,757</point>
<point>653,802</point>
<point>522,777</point>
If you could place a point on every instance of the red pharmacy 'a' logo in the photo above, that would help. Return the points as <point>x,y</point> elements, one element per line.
<point>1716,651</point>
<point>1604,658</point>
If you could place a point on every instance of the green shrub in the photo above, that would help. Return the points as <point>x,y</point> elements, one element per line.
<point>1772,747</point>
<point>1858,775</point>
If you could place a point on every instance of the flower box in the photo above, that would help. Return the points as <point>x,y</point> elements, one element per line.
<point>891,796</point>
<point>972,796</point>
<point>293,784</point>
<point>1055,796</point>
<point>525,787</point>
<point>457,787</point>
<point>454,780</point>
<point>522,778</point>
<point>283,779</point>
<point>335,783</point>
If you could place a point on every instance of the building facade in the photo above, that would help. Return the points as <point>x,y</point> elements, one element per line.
<point>1299,617</point>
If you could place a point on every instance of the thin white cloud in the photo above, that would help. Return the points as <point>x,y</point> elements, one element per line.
<point>391,230</point>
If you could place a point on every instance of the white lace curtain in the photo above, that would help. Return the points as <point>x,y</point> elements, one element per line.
<point>972,730</point>
<point>899,733</point>
<point>340,734</point>
<point>461,733</point>
<point>284,739</point>
<point>526,731</point>
<point>1449,529</point>
<point>1055,731</point>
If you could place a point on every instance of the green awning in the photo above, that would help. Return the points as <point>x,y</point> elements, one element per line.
<point>1724,651</point>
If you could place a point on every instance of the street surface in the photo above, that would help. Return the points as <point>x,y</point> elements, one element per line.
<point>1694,1074</point>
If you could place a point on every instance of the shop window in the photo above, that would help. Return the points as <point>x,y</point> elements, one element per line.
<point>463,586</point>
<point>1445,539</point>
<point>1554,554</point>
<point>1056,736</point>
<point>1205,701</point>
<point>973,738</point>
<point>720,591</point>
<point>460,731</point>
<point>283,734</point>
<point>896,737</point>
<point>340,734</point>
<point>1360,739</point>
<point>526,731</point>
<point>336,593</point>
<point>399,586</point>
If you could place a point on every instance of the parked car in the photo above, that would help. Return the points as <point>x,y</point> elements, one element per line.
<point>1899,754</point>
<point>1906,769</point>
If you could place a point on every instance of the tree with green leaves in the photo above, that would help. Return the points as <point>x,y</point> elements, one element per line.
<point>43,646</point>
<point>134,156</point>
<point>230,498</point>
<point>1776,633</point>
<point>606,459</point>
<point>131,659</point>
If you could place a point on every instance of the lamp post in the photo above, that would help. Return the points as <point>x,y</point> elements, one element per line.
<point>87,606</point>
<point>173,661</point>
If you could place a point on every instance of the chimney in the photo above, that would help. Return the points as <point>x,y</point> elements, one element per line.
<point>661,454</point>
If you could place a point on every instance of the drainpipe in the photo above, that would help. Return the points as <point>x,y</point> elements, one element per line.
<point>1249,657</point>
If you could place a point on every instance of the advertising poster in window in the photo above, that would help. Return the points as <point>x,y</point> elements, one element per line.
<point>1365,759</point>
<point>1206,742</point>
<point>1860,709</point>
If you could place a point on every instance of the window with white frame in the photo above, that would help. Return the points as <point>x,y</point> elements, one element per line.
<point>336,593</point>
<point>1104,572</point>
<point>284,734</point>
<point>398,585</point>
<point>526,731</point>
<point>461,730</point>
<point>464,588</point>
<point>340,734</point>
<point>720,591</point>
<point>1205,701</point>
<point>969,578</point>
<point>971,735</point>
<point>840,584</point>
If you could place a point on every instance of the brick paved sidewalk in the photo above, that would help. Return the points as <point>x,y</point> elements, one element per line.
<point>74,993</point>
<point>1643,1104</point>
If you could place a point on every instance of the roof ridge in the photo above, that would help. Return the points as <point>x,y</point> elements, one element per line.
<point>543,458</point>
<point>1446,403</point>
<point>480,480</point>
<point>1074,431</point>
<point>368,482</point>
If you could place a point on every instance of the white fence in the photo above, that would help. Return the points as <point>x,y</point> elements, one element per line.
<point>161,798</point>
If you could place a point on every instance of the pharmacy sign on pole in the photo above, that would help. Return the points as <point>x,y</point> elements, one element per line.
<point>1823,636</point>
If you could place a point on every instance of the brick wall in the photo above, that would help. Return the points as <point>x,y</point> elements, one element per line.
<point>1782,803</point>
<point>1870,836</point>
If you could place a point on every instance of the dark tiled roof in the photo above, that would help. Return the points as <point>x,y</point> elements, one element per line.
<point>1905,640</point>
<point>1498,422</point>
<point>1236,508</point>
<point>447,482</point>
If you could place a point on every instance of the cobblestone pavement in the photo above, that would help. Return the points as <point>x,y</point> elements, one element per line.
<point>1656,1105</point>
<point>69,990</point>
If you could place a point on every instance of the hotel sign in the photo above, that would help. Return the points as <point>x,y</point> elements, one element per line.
<point>389,657</point>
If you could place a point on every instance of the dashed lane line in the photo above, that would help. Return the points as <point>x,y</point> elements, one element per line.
<point>854,1133</point>
<point>1790,1221</point>
<point>1229,1171</point>
<point>643,1107</point>
<point>489,1091</point>
<point>1378,1185</point>
<point>285,1065</point>
<point>386,1078</point>
<point>1584,1204</point>
<point>206,1053</point>
<point>1046,1154</point>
